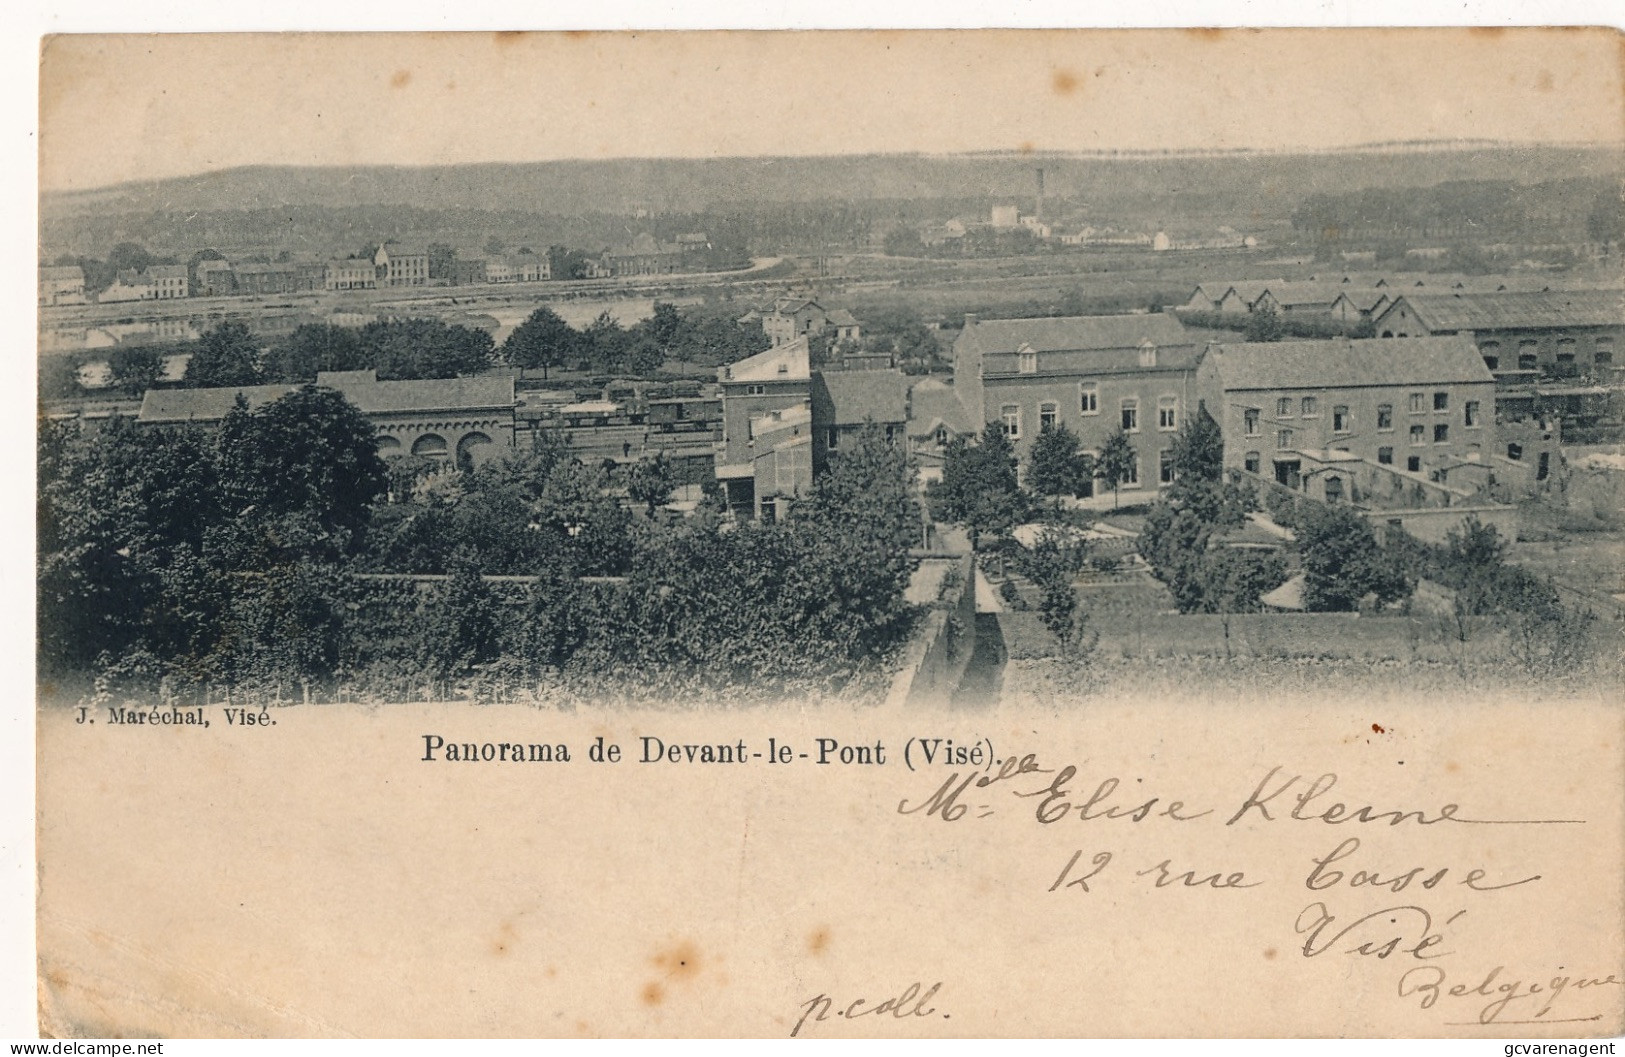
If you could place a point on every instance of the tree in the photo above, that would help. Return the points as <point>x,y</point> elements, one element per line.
<point>459,629</point>
<point>425,348</point>
<point>603,344</point>
<point>135,368</point>
<point>300,473</point>
<point>979,488</point>
<point>665,325</point>
<point>1115,462</point>
<point>1342,562</point>
<point>650,482</point>
<point>1264,324</point>
<point>1057,467</point>
<point>543,340</point>
<point>566,263</point>
<point>313,348</point>
<point>226,356</point>
<point>1197,453</point>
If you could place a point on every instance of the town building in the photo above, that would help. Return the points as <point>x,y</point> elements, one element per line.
<point>215,278</point>
<point>466,419</point>
<point>127,285</point>
<point>1558,333</point>
<point>1095,375</point>
<point>61,285</point>
<point>791,318</point>
<point>349,273</point>
<point>644,255</point>
<point>844,402</point>
<point>1411,404</point>
<point>765,462</point>
<point>398,264</point>
<point>935,417</point>
<point>520,268</point>
<point>169,282</point>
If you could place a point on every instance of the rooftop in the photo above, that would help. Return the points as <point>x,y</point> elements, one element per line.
<point>1076,333</point>
<point>934,403</point>
<point>1344,362</point>
<point>361,388</point>
<point>851,398</point>
<point>1504,311</point>
<point>782,363</point>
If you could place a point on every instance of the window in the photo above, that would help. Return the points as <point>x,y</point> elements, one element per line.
<point>755,390</point>
<point>1604,356</point>
<point>1528,354</point>
<point>1130,409</point>
<point>1385,456</point>
<point>1418,403</point>
<point>1565,350</point>
<point>1011,414</point>
<point>1340,419</point>
<point>1385,416</point>
<point>1089,398</point>
<point>1492,362</point>
<point>1165,467</point>
<point>1029,361</point>
<point>1418,436</point>
<point>1252,462</point>
<point>1148,354</point>
<point>1283,439</point>
<point>1249,420</point>
<point>1414,464</point>
<point>1168,413</point>
<point>941,436</point>
<point>1283,407</point>
<point>833,439</point>
<point>1441,433</point>
<point>1471,414</point>
<point>1311,407</point>
<point>1131,476</point>
<point>1515,452</point>
<point>1046,417</point>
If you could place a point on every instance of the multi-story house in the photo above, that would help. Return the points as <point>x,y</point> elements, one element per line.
<point>62,285</point>
<point>398,264</point>
<point>1412,404</point>
<point>168,281</point>
<point>352,273</point>
<point>1095,375</point>
<point>1555,333</point>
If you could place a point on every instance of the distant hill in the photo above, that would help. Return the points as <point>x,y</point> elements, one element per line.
<point>1273,181</point>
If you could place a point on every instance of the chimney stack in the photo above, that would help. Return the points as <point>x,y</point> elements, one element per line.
<point>1039,212</point>
<point>970,320</point>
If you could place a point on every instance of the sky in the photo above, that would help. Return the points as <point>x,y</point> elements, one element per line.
<point>117,108</point>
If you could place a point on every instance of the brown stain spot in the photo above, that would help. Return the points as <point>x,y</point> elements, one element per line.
<point>504,941</point>
<point>401,79</point>
<point>818,942</point>
<point>1451,767</point>
<point>1269,954</point>
<point>1065,82</point>
<point>680,962</point>
<point>1206,33</point>
<point>1026,147</point>
<point>582,1028</point>
<point>1543,82</point>
<point>1491,32</point>
<point>552,971</point>
<point>1100,71</point>
<point>653,994</point>
<point>1377,728</point>
<point>506,37</point>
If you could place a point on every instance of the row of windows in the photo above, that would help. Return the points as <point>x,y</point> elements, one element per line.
<point>1027,357</point>
<point>1253,461</point>
<point>1419,437</point>
<point>1128,412</point>
<point>1343,419</point>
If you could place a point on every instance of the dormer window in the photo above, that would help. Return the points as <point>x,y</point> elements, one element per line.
<point>1148,354</point>
<point>1028,359</point>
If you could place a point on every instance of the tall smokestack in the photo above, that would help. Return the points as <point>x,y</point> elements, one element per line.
<point>1039,213</point>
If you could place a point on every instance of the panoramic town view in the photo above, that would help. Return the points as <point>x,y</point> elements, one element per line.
<point>954,428</point>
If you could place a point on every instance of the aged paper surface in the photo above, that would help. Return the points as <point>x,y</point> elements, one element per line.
<point>1296,854</point>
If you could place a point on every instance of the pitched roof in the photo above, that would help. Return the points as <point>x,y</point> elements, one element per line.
<point>1498,311</point>
<point>931,403</point>
<point>841,318</point>
<point>1077,333</point>
<point>1342,362</point>
<point>361,388</point>
<point>781,363</point>
<point>850,398</point>
<point>166,271</point>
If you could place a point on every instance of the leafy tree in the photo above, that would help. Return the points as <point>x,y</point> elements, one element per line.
<point>665,325</point>
<point>604,344</point>
<point>1264,324</point>
<point>226,356</point>
<point>300,473</point>
<point>1057,467</point>
<point>979,488</point>
<point>576,505</point>
<point>425,348</point>
<point>135,368</point>
<point>460,626</point>
<point>313,348</point>
<point>543,340</point>
<point>1115,462</point>
<point>643,357</point>
<point>650,482</point>
<point>1342,562</point>
<point>566,263</point>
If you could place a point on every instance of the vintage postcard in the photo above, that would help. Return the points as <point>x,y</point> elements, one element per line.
<point>1112,534</point>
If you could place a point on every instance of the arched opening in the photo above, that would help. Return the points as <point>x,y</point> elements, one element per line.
<point>466,448</point>
<point>388,446</point>
<point>431,445</point>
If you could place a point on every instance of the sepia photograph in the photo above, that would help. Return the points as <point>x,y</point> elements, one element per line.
<point>968,533</point>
